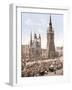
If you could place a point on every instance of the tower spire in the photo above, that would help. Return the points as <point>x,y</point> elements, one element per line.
<point>50,41</point>
<point>31,39</point>
<point>50,23</point>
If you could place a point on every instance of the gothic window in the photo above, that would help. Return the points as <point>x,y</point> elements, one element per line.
<point>37,44</point>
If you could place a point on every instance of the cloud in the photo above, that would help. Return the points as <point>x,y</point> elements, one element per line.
<point>38,23</point>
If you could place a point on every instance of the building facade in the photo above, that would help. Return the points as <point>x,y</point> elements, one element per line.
<point>35,48</point>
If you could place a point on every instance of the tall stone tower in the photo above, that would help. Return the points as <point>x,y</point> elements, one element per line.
<point>35,47</point>
<point>50,41</point>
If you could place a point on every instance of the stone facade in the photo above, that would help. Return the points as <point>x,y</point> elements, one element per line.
<point>44,55</point>
<point>50,41</point>
<point>35,48</point>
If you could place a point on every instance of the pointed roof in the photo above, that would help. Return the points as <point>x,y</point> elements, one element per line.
<point>31,38</point>
<point>50,22</point>
<point>31,35</point>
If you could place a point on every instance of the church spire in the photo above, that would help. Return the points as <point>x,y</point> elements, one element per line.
<point>31,39</point>
<point>50,41</point>
<point>50,23</point>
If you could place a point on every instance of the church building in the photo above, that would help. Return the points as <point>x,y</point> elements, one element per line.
<point>35,47</point>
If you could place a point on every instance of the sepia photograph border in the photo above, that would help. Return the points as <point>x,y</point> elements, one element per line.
<point>15,46</point>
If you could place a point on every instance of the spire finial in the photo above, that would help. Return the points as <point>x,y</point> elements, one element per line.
<point>50,23</point>
<point>31,38</point>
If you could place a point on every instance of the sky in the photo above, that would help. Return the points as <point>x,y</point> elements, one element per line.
<point>39,23</point>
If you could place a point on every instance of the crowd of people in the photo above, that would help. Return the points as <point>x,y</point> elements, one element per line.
<point>41,69</point>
